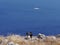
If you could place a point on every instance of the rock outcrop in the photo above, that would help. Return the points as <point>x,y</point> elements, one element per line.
<point>20,40</point>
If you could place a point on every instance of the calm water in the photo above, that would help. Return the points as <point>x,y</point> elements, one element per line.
<point>19,16</point>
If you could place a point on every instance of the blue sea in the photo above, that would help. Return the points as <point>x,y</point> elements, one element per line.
<point>19,17</point>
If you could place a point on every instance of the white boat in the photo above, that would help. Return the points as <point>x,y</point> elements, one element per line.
<point>36,8</point>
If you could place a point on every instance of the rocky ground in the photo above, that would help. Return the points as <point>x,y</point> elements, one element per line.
<point>20,40</point>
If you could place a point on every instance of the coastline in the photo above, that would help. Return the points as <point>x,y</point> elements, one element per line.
<point>20,40</point>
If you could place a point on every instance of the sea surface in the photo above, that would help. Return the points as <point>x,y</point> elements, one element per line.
<point>20,16</point>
